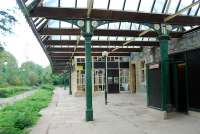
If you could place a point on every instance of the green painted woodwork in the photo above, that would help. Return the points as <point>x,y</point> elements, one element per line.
<point>147,84</point>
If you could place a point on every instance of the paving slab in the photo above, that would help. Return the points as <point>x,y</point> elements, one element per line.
<point>125,113</point>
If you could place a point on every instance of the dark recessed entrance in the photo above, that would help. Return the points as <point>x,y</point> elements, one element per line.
<point>179,86</point>
<point>113,81</point>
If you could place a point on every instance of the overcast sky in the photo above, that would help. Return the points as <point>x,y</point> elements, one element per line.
<point>23,44</point>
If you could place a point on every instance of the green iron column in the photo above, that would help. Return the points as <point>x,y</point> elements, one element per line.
<point>88,70</point>
<point>164,70</point>
<point>65,81</point>
<point>70,84</point>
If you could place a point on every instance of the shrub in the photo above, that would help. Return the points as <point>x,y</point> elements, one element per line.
<point>48,87</point>
<point>10,91</point>
<point>15,118</point>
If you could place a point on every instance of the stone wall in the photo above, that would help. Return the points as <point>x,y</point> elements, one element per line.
<point>187,42</point>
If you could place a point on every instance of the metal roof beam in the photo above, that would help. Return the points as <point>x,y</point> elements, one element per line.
<point>94,49</point>
<point>111,15</point>
<point>101,43</point>
<point>105,32</point>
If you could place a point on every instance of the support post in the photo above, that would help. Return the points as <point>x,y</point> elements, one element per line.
<point>70,82</point>
<point>65,81</point>
<point>164,70</point>
<point>88,70</point>
<point>106,81</point>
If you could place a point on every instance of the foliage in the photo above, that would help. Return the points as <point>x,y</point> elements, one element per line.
<point>28,74</point>
<point>9,71</point>
<point>57,79</point>
<point>32,72</point>
<point>47,87</point>
<point>15,118</point>
<point>11,91</point>
<point>6,21</point>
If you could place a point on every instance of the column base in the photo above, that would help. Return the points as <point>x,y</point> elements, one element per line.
<point>70,92</point>
<point>89,115</point>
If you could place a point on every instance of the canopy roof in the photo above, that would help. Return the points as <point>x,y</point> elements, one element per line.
<point>127,20</point>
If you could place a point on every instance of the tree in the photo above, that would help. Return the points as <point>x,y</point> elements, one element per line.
<point>8,69</point>
<point>32,73</point>
<point>7,20</point>
<point>47,73</point>
<point>57,79</point>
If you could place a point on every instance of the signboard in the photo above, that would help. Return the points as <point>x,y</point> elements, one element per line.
<point>153,66</point>
<point>79,67</point>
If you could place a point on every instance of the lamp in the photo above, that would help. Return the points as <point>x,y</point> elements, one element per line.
<point>5,63</point>
<point>94,23</point>
<point>105,54</point>
<point>156,26</point>
<point>80,23</point>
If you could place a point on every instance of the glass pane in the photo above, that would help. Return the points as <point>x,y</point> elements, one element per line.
<point>116,5</point>
<point>55,37</point>
<point>116,80</point>
<point>66,25</point>
<point>65,37</point>
<point>74,37</point>
<point>134,26</point>
<point>114,25</point>
<point>67,3</point>
<point>100,4</point>
<point>103,38</point>
<point>103,26</point>
<point>194,9</point>
<point>125,25</point>
<point>143,27</point>
<point>94,37</point>
<point>50,3</point>
<point>131,5</point>
<point>110,81</point>
<point>159,6</point>
<point>173,6</point>
<point>145,5</point>
<point>185,3</point>
<point>53,23</point>
<point>121,38</point>
<point>82,3</point>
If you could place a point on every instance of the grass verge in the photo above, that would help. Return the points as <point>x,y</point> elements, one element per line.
<point>15,118</point>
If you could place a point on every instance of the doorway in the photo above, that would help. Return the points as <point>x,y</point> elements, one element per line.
<point>99,80</point>
<point>113,81</point>
<point>180,88</point>
<point>133,78</point>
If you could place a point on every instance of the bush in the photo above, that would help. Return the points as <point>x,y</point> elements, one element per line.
<point>23,114</point>
<point>10,91</point>
<point>48,87</point>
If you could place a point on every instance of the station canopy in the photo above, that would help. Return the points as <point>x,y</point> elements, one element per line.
<point>123,34</point>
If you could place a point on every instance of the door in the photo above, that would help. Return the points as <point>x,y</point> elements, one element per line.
<point>99,80</point>
<point>181,101</point>
<point>133,78</point>
<point>113,81</point>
